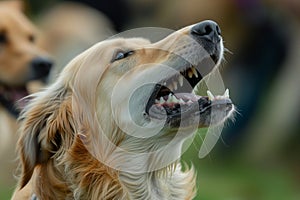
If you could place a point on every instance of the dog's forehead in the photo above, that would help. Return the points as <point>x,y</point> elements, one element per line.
<point>15,21</point>
<point>127,43</point>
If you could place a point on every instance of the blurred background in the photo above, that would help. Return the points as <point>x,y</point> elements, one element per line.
<point>258,154</point>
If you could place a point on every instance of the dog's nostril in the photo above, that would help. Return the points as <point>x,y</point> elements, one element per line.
<point>208,30</point>
<point>41,67</point>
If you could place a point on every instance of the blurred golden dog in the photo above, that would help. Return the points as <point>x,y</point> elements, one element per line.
<point>103,131</point>
<point>21,61</point>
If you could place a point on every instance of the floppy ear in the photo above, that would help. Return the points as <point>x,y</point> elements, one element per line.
<point>45,124</point>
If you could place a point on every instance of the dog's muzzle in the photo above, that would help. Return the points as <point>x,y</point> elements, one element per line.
<point>172,98</point>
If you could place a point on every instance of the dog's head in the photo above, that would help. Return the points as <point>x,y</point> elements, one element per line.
<point>21,60</point>
<point>126,95</point>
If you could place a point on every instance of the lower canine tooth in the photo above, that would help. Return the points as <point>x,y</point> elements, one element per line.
<point>170,97</point>
<point>210,95</point>
<point>174,99</point>
<point>161,100</point>
<point>226,93</point>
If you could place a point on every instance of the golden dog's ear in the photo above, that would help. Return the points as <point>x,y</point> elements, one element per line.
<point>14,4</point>
<point>46,124</point>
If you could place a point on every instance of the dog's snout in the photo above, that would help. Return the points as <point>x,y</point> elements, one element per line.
<point>41,67</point>
<point>208,30</point>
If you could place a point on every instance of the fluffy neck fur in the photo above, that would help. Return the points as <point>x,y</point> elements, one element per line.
<point>75,174</point>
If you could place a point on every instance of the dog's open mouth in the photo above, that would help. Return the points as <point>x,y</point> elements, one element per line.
<point>172,99</point>
<point>11,98</point>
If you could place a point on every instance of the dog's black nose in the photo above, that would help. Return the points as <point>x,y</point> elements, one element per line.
<point>207,30</point>
<point>41,67</point>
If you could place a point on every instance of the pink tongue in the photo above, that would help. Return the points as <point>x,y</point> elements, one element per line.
<point>187,96</point>
<point>18,94</point>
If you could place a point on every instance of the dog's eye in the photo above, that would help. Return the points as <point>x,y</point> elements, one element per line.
<point>120,55</point>
<point>31,38</point>
<point>3,38</point>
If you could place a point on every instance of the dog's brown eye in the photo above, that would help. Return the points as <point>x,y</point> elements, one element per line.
<point>3,38</point>
<point>31,38</point>
<point>120,55</point>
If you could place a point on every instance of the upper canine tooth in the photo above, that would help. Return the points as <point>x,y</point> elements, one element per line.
<point>194,72</point>
<point>180,80</point>
<point>210,95</point>
<point>170,87</point>
<point>181,101</point>
<point>190,74</point>
<point>156,101</point>
<point>175,85</point>
<point>226,93</point>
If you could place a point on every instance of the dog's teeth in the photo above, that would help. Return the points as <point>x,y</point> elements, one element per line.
<point>170,97</point>
<point>181,101</point>
<point>226,93</point>
<point>190,73</point>
<point>170,87</point>
<point>174,99</point>
<point>189,102</point>
<point>165,83</point>
<point>210,95</point>
<point>161,100</point>
<point>156,101</point>
<point>194,72</point>
<point>180,80</point>
<point>175,85</point>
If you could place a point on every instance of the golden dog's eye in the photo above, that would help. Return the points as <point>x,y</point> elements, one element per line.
<point>121,55</point>
<point>3,38</point>
<point>31,38</point>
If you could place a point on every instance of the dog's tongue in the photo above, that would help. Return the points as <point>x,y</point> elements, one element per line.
<point>187,96</point>
<point>14,95</point>
<point>18,94</point>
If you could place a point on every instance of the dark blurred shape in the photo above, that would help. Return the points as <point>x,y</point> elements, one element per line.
<point>257,63</point>
<point>41,67</point>
<point>116,10</point>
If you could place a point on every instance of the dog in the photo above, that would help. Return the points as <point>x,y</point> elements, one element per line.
<point>113,124</point>
<point>21,61</point>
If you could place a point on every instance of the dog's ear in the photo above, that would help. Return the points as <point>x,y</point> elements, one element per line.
<point>46,123</point>
<point>14,4</point>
